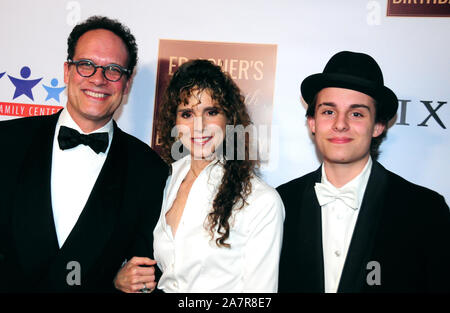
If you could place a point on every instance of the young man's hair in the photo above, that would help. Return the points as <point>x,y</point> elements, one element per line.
<point>102,22</point>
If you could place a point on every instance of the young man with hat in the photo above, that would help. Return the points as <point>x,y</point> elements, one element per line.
<point>352,225</point>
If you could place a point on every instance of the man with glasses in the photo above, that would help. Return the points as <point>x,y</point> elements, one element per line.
<point>79,196</point>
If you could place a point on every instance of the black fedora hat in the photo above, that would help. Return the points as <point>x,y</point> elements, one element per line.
<point>356,71</point>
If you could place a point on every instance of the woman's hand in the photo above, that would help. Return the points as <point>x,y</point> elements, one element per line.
<point>136,276</point>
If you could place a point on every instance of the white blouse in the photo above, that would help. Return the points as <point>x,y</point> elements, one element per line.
<point>192,262</point>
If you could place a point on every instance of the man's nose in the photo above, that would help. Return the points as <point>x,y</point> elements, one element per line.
<point>340,123</point>
<point>98,78</point>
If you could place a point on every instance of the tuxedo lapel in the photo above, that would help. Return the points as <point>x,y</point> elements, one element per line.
<point>310,251</point>
<point>354,274</point>
<point>32,217</point>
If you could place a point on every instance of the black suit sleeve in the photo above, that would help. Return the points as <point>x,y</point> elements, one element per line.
<point>437,244</point>
<point>151,194</point>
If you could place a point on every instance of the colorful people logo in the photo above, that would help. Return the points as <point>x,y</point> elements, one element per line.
<point>53,91</point>
<point>24,86</point>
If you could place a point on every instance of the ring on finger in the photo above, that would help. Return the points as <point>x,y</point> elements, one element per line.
<point>145,289</point>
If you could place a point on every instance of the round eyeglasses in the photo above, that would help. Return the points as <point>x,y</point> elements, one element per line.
<point>111,72</point>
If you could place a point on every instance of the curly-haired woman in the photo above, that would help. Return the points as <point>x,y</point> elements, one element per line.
<point>220,228</point>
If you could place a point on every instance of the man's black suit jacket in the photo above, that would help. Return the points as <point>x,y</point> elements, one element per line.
<point>402,226</point>
<point>116,223</point>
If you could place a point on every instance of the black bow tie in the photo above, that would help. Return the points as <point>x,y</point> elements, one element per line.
<point>70,138</point>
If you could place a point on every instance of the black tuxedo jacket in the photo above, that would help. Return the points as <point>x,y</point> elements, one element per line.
<point>116,223</point>
<point>402,226</point>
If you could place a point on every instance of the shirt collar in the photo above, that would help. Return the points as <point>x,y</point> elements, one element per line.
<point>359,182</point>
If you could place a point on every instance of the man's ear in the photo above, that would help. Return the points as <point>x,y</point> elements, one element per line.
<point>311,124</point>
<point>66,73</point>
<point>126,90</point>
<point>378,129</point>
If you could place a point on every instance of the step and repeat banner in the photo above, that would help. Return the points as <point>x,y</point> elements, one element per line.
<point>268,47</point>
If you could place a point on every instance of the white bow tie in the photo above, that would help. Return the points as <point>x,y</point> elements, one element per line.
<point>327,194</point>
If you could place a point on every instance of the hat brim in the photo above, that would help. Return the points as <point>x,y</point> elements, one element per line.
<point>387,102</point>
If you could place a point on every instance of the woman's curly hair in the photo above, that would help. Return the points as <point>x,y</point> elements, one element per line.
<point>235,187</point>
